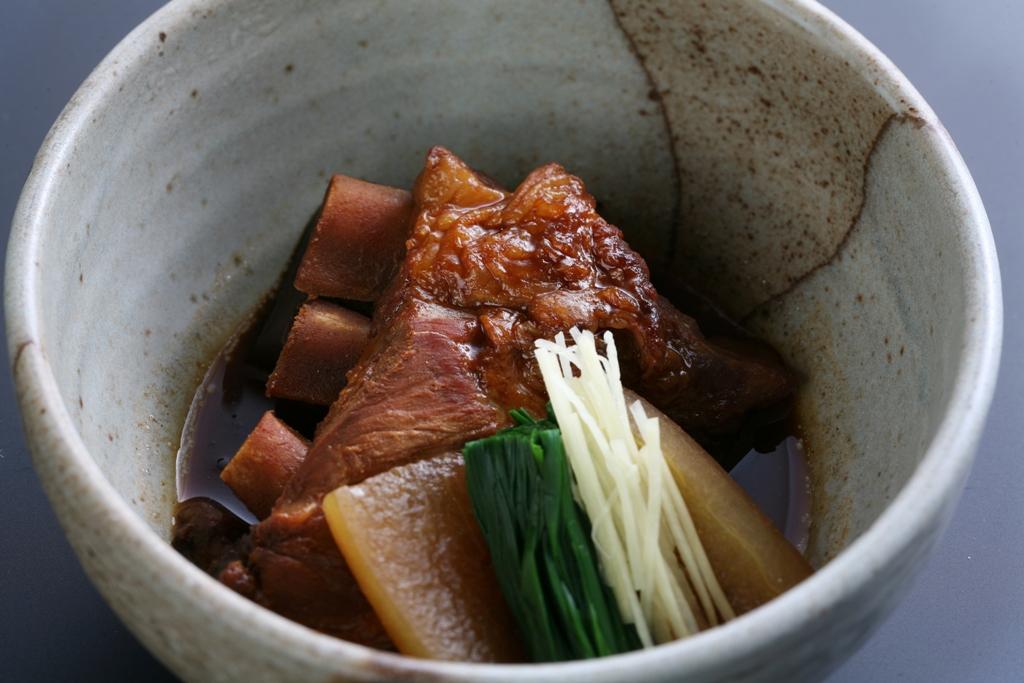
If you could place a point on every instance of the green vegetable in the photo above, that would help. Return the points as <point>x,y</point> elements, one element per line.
<point>539,539</point>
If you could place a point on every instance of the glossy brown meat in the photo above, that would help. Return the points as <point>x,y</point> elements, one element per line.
<point>207,533</point>
<point>486,273</point>
<point>299,573</point>
<point>541,260</point>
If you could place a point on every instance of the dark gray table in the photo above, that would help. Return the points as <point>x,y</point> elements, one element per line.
<point>964,619</point>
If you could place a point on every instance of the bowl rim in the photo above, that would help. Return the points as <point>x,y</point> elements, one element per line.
<point>935,481</point>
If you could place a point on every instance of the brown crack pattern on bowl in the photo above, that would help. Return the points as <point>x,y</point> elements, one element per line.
<point>770,136</point>
<point>873,331</point>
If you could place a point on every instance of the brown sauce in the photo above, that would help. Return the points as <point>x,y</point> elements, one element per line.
<point>226,407</point>
<point>231,398</point>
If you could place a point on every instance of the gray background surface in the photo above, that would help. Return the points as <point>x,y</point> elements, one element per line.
<point>964,619</point>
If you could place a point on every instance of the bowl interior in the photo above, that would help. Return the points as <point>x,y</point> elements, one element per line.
<point>786,179</point>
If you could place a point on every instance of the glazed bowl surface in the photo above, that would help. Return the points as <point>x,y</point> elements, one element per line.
<point>763,152</point>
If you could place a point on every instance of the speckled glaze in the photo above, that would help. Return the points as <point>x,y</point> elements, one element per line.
<point>760,150</point>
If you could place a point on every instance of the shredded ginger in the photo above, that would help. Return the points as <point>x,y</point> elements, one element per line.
<point>648,548</point>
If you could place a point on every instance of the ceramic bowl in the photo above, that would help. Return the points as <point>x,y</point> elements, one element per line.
<point>763,151</point>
